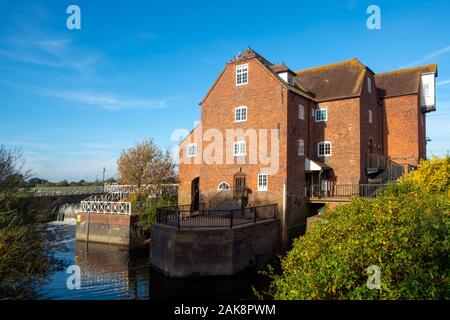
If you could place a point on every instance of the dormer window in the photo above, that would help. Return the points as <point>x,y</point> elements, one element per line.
<point>241,74</point>
<point>240,114</point>
<point>287,77</point>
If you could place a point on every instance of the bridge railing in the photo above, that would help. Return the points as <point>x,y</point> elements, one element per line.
<point>106,197</point>
<point>66,191</point>
<point>152,190</point>
<point>106,207</point>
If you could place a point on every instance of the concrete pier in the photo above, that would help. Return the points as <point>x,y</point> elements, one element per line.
<point>109,228</point>
<point>213,251</point>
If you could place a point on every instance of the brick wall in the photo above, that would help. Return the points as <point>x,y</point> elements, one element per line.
<point>189,167</point>
<point>403,135</point>
<point>265,99</point>
<point>343,129</point>
<point>295,195</point>
<point>371,133</point>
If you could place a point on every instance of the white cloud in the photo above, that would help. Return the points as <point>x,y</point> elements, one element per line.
<point>441,83</point>
<point>430,56</point>
<point>106,101</point>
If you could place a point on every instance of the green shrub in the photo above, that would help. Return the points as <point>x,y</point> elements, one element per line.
<point>404,232</point>
<point>147,209</point>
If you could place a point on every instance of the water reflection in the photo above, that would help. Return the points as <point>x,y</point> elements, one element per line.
<point>112,272</point>
<point>107,272</point>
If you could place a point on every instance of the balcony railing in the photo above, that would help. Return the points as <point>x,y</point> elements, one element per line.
<point>182,217</point>
<point>377,161</point>
<point>343,191</point>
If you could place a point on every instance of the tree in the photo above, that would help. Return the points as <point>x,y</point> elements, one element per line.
<point>145,164</point>
<point>22,258</point>
<point>12,176</point>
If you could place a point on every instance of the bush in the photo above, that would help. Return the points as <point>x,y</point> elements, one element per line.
<point>404,232</point>
<point>147,216</point>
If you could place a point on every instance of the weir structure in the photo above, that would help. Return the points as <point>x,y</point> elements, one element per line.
<point>109,218</point>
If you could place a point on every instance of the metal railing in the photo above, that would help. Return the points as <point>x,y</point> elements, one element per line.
<point>181,217</point>
<point>66,191</point>
<point>106,197</point>
<point>106,207</point>
<point>377,161</point>
<point>343,190</point>
<point>152,190</point>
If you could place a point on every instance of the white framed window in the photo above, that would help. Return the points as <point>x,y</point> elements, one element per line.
<point>239,148</point>
<point>223,186</point>
<point>191,149</point>
<point>301,112</point>
<point>263,181</point>
<point>321,115</point>
<point>301,147</point>
<point>369,85</point>
<point>241,74</point>
<point>324,149</point>
<point>240,114</point>
<point>370,116</point>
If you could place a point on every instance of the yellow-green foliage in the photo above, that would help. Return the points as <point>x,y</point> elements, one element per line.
<point>433,176</point>
<point>404,231</point>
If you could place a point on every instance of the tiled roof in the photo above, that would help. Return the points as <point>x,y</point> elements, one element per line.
<point>342,79</point>
<point>401,82</point>
<point>281,67</point>
<point>334,81</point>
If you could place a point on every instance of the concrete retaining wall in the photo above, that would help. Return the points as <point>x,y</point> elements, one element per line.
<point>213,252</point>
<point>109,228</point>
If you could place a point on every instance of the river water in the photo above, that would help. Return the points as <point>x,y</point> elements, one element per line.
<point>112,272</point>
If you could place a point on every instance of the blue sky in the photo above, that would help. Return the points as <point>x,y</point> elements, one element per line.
<point>73,99</point>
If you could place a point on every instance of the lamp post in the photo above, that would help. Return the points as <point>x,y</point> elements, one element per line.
<point>104,169</point>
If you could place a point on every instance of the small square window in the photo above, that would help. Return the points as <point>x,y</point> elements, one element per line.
<point>241,74</point>
<point>301,147</point>
<point>239,148</point>
<point>240,114</point>
<point>263,182</point>
<point>324,149</point>
<point>301,112</point>
<point>191,149</point>
<point>321,115</point>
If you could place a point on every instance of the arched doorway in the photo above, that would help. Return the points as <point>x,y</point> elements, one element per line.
<point>195,194</point>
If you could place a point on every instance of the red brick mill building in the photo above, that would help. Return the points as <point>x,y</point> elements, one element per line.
<point>331,132</point>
